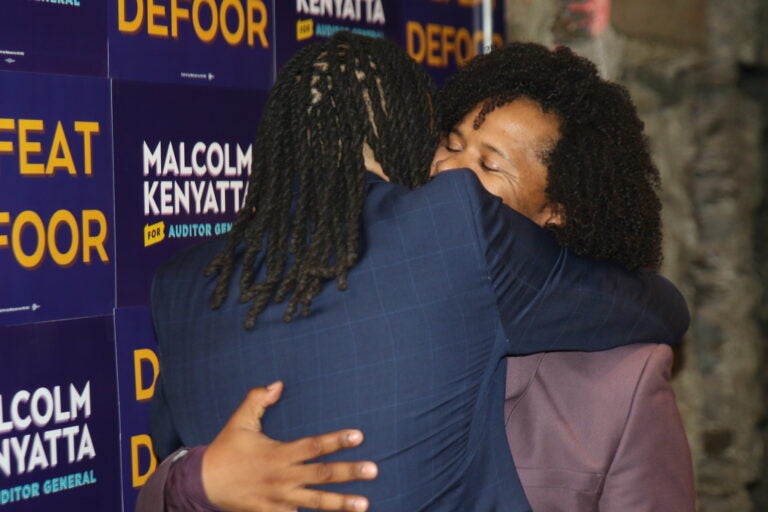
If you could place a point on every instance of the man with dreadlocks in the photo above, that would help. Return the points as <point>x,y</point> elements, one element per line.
<point>588,431</point>
<point>433,288</point>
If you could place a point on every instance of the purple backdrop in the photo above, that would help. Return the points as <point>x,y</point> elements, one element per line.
<point>193,43</point>
<point>137,371</point>
<point>66,37</point>
<point>302,22</point>
<point>442,35</point>
<point>192,190</point>
<point>56,237</point>
<point>58,410</point>
<point>439,34</point>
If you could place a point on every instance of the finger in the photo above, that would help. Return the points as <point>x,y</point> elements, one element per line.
<point>310,448</point>
<point>333,472</point>
<point>254,405</point>
<point>274,391</point>
<point>321,500</point>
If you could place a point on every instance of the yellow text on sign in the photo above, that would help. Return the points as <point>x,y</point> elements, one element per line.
<point>58,157</point>
<point>138,443</point>
<point>142,356</point>
<point>439,45</point>
<point>91,228</point>
<point>305,29</point>
<point>235,20</point>
<point>154,233</point>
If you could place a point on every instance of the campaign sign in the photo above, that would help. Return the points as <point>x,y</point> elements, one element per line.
<point>215,42</point>
<point>443,35</point>
<point>301,22</point>
<point>58,417</point>
<point>56,206</point>
<point>54,36</point>
<point>137,370</point>
<point>182,160</point>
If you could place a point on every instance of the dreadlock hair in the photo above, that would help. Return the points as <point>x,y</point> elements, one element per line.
<point>600,170</point>
<point>301,217</point>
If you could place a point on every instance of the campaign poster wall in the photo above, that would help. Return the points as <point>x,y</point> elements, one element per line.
<point>138,368</point>
<point>182,160</point>
<point>58,417</point>
<point>56,208</point>
<point>443,35</point>
<point>215,42</point>
<point>62,36</point>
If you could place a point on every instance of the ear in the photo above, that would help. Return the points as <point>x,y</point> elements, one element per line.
<point>554,216</point>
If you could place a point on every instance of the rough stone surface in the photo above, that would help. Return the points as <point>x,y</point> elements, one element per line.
<point>705,129</point>
<point>675,22</point>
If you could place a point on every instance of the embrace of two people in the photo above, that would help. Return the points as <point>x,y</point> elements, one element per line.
<point>409,267</point>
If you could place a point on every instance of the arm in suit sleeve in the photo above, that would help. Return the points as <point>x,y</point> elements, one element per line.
<point>165,438</point>
<point>652,469</point>
<point>551,299</point>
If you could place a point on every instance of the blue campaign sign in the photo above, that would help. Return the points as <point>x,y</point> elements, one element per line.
<point>215,42</point>
<point>137,369</point>
<point>58,417</point>
<point>182,159</point>
<point>61,36</point>
<point>443,35</point>
<point>56,206</point>
<point>302,22</point>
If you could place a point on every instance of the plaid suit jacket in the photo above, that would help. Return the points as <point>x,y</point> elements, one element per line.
<point>449,283</point>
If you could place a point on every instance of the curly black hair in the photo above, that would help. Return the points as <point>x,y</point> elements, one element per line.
<point>600,170</point>
<point>301,217</point>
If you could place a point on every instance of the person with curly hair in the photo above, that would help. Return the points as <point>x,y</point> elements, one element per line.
<point>408,302</point>
<point>566,148</point>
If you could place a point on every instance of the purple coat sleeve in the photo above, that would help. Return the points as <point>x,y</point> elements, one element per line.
<point>176,485</point>
<point>652,469</point>
<point>598,431</point>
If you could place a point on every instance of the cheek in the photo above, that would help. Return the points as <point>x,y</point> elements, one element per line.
<point>500,188</point>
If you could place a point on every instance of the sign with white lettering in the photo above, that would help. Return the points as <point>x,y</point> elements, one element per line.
<point>182,159</point>
<point>301,22</point>
<point>442,35</point>
<point>58,417</point>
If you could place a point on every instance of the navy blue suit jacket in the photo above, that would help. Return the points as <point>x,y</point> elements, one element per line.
<point>450,282</point>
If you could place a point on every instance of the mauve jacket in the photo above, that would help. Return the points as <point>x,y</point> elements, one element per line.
<point>598,431</point>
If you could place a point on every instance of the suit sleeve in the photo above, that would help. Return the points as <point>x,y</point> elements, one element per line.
<point>551,299</point>
<point>652,469</point>
<point>176,485</point>
<point>151,495</point>
<point>165,438</point>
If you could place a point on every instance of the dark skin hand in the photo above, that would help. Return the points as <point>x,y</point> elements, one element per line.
<point>246,471</point>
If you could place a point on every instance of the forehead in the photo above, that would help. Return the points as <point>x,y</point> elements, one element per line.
<point>521,121</point>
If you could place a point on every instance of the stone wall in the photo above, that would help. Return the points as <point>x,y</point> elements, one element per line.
<point>693,68</point>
